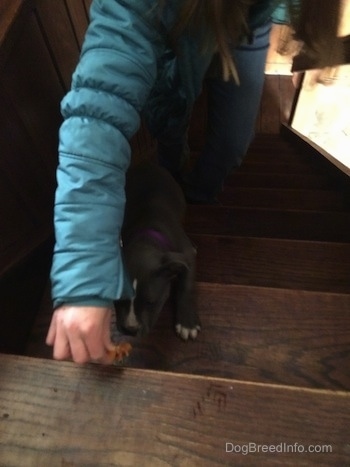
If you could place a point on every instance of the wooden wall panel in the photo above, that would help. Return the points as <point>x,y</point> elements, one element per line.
<point>15,219</point>
<point>21,165</point>
<point>79,18</point>
<point>30,81</point>
<point>30,94</point>
<point>287,93</point>
<point>21,291</point>
<point>58,30</point>
<point>9,12</point>
<point>26,196</point>
<point>276,103</point>
<point>87,4</point>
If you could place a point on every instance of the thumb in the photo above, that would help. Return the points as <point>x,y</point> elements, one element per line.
<point>106,331</point>
<point>51,334</point>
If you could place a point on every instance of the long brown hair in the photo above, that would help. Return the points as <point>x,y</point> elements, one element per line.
<point>226,22</point>
<point>316,26</point>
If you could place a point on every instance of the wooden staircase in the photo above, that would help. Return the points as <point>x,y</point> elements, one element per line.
<point>273,274</point>
<point>272,363</point>
<point>270,369</point>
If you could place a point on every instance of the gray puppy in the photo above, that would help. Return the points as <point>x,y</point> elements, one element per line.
<point>158,255</point>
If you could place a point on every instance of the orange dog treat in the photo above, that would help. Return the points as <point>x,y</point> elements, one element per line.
<point>120,351</point>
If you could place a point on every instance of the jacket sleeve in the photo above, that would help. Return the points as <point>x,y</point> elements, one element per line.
<point>111,83</point>
<point>281,13</point>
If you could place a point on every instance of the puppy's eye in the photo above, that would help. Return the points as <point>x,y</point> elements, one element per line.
<point>150,304</point>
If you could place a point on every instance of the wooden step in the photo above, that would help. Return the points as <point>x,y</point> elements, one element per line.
<point>273,146</point>
<point>292,264</point>
<point>273,155</point>
<point>270,148</point>
<point>257,334</point>
<point>316,200</point>
<point>250,222</point>
<point>304,181</point>
<point>276,151</point>
<point>270,157</point>
<point>64,414</point>
<point>260,334</point>
<point>261,166</point>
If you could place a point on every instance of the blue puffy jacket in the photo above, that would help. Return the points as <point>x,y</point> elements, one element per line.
<point>124,65</point>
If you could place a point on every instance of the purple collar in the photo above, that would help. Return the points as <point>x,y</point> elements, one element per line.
<point>156,236</point>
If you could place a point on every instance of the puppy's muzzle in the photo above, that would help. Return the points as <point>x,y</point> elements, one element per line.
<point>131,324</point>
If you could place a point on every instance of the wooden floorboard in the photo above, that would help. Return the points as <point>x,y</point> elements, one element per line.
<point>64,414</point>
<point>292,264</point>
<point>249,333</point>
<point>275,155</point>
<point>325,226</point>
<point>257,334</point>
<point>273,148</point>
<point>260,166</point>
<point>306,181</point>
<point>306,199</point>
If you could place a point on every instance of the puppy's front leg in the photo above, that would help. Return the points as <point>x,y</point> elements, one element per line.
<point>187,320</point>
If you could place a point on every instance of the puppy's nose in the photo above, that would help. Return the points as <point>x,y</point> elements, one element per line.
<point>131,323</point>
<point>133,329</point>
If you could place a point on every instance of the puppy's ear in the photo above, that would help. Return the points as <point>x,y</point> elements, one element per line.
<point>173,263</point>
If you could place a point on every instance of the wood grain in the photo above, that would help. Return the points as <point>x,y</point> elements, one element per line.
<point>87,4</point>
<point>16,225</point>
<point>257,334</point>
<point>261,165</point>
<point>79,19</point>
<point>22,166</point>
<point>62,414</point>
<point>61,38</point>
<point>36,98</point>
<point>292,264</point>
<point>248,333</point>
<point>325,226</point>
<point>9,12</point>
<point>280,180</point>
<point>274,198</point>
<point>270,106</point>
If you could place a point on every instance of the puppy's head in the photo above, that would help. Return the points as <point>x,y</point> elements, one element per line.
<point>153,272</point>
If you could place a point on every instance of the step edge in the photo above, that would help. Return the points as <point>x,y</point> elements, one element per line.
<point>178,375</point>
<point>273,290</point>
<point>270,239</point>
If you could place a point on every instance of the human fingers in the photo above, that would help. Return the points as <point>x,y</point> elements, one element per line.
<point>81,333</point>
<point>109,345</point>
<point>51,334</point>
<point>78,350</point>
<point>61,347</point>
<point>99,343</point>
<point>67,341</point>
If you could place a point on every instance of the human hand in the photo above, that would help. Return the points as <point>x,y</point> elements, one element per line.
<point>81,333</point>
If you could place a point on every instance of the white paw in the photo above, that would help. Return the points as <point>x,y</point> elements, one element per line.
<point>185,333</point>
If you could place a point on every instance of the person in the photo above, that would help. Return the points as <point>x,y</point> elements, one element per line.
<point>145,58</point>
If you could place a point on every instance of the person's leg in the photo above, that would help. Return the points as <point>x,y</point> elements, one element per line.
<point>167,114</point>
<point>232,112</point>
<point>172,148</point>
